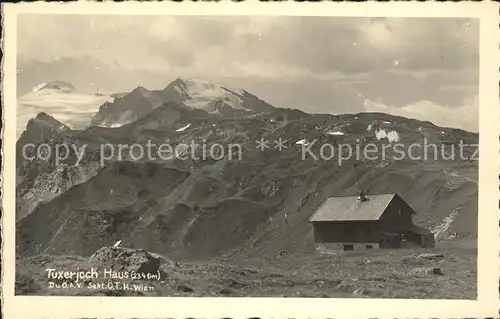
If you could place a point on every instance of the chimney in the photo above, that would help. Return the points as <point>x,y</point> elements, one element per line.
<point>362,197</point>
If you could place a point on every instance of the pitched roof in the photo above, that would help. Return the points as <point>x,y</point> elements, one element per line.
<point>349,208</point>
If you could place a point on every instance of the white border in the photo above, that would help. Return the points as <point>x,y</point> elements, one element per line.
<point>149,307</point>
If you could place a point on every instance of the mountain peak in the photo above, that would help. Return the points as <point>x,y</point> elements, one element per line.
<point>183,79</point>
<point>44,116</point>
<point>55,85</point>
<point>45,119</point>
<point>193,81</point>
<point>140,90</point>
<point>191,85</point>
<point>190,92</point>
<point>199,94</point>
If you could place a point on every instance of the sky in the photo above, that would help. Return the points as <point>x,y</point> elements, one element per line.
<point>424,68</point>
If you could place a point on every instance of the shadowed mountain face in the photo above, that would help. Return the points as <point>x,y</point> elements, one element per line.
<point>208,201</point>
<point>193,93</point>
<point>38,129</point>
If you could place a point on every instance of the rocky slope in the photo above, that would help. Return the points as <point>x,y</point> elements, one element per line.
<point>231,202</point>
<point>196,94</point>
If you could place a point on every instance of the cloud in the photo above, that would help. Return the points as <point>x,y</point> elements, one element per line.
<point>419,44</point>
<point>313,44</point>
<point>465,116</point>
<point>318,64</point>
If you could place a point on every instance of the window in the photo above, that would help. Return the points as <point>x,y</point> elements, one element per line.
<point>348,247</point>
<point>369,246</point>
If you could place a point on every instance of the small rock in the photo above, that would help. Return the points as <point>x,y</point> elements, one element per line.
<point>430,256</point>
<point>436,271</point>
<point>376,278</point>
<point>235,284</point>
<point>336,281</point>
<point>185,288</point>
<point>344,287</point>
<point>252,271</point>
<point>361,291</point>
<point>428,270</point>
<point>224,291</point>
<point>283,253</point>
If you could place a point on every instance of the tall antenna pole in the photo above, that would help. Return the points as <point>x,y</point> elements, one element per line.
<point>361,193</point>
<point>357,175</point>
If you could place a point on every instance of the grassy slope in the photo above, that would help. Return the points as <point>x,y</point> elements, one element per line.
<point>371,274</point>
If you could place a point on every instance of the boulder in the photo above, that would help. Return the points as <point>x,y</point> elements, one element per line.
<point>126,259</point>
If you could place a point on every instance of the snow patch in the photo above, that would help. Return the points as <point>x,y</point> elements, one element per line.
<point>38,87</point>
<point>302,142</point>
<point>182,129</point>
<point>114,125</point>
<point>392,136</point>
<point>334,133</point>
<point>118,243</point>
<point>237,90</point>
<point>386,122</point>
<point>200,93</point>
<point>176,88</point>
<point>122,120</point>
<point>369,128</point>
